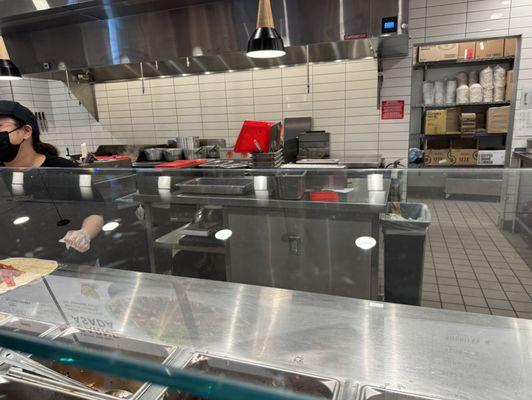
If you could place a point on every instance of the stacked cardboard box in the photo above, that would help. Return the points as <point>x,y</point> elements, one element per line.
<point>468,123</point>
<point>463,152</point>
<point>498,119</point>
<point>435,122</point>
<point>437,153</point>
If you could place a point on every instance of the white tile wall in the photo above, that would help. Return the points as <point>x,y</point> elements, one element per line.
<point>69,123</point>
<point>342,100</point>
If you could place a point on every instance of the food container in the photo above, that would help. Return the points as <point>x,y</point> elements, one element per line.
<point>153,154</point>
<point>262,375</point>
<point>290,185</point>
<point>173,154</point>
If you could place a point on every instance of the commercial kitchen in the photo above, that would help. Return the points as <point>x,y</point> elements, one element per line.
<point>266,199</point>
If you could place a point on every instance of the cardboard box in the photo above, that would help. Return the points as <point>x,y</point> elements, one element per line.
<point>438,52</point>
<point>436,153</point>
<point>452,125</point>
<point>491,157</point>
<point>435,122</point>
<point>466,50</point>
<point>463,152</point>
<point>510,47</point>
<point>489,48</point>
<point>509,92</point>
<point>497,120</point>
<point>468,123</point>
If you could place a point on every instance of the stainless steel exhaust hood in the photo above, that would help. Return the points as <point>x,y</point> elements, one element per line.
<point>105,40</point>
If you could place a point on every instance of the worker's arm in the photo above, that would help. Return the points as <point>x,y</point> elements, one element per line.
<point>90,228</point>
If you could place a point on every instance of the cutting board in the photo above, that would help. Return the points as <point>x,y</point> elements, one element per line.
<point>181,163</point>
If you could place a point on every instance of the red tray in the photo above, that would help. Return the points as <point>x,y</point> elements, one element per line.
<point>181,163</point>
<point>254,132</point>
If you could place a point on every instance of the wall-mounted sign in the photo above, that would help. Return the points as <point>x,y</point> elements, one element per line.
<point>355,36</point>
<point>392,109</point>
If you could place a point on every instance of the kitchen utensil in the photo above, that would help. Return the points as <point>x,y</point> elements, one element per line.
<point>238,186</point>
<point>24,362</point>
<point>45,122</point>
<point>257,145</point>
<point>153,154</point>
<point>173,154</point>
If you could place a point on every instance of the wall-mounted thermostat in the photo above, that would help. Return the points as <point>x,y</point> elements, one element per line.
<point>389,25</point>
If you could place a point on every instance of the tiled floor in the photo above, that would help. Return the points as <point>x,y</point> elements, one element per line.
<point>470,265</point>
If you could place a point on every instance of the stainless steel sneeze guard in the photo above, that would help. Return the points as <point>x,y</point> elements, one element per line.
<point>430,353</point>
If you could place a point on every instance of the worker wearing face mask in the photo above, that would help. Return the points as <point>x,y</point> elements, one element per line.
<point>21,147</point>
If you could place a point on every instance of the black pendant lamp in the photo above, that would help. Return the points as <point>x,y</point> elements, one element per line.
<point>265,41</point>
<point>8,70</point>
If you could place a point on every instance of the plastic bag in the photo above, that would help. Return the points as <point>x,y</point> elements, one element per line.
<point>450,92</point>
<point>498,93</point>
<point>462,79</point>
<point>499,76</point>
<point>486,78</point>
<point>462,94</point>
<point>473,77</point>
<point>487,95</point>
<point>428,93</point>
<point>475,93</point>
<point>439,93</point>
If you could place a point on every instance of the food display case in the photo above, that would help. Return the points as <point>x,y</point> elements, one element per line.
<point>286,305</point>
<point>208,336</point>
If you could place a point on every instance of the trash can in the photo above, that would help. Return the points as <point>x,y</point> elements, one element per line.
<point>404,251</point>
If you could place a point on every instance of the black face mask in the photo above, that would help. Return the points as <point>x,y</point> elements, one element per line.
<point>8,151</point>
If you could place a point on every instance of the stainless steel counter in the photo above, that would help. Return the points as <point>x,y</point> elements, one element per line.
<point>447,354</point>
<point>356,199</point>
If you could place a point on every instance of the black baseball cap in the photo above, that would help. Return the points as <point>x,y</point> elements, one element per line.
<point>20,113</point>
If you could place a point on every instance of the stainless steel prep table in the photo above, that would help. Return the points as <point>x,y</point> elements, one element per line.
<point>447,354</point>
<point>307,245</point>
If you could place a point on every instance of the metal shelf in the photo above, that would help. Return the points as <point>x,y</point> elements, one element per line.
<point>461,136</point>
<point>459,63</point>
<point>171,241</point>
<point>492,104</point>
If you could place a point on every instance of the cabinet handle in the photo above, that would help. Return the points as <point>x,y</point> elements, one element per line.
<point>294,243</point>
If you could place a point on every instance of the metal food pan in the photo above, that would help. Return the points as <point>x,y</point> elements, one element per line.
<point>26,326</point>
<point>236,186</point>
<point>258,374</point>
<point>97,383</point>
<point>375,393</point>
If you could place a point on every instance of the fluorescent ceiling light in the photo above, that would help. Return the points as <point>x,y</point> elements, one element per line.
<point>110,226</point>
<point>223,234</point>
<point>365,242</point>
<point>21,220</point>
<point>41,4</point>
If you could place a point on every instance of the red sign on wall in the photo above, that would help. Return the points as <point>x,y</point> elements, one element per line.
<point>392,109</point>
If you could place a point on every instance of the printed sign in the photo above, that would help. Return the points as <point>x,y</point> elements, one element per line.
<point>355,36</point>
<point>392,109</point>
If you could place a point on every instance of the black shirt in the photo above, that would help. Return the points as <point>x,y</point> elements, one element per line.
<point>59,162</point>
<point>55,161</point>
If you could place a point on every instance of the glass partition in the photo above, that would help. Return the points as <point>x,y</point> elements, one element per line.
<point>328,283</point>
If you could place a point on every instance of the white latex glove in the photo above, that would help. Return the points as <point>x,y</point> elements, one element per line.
<point>78,240</point>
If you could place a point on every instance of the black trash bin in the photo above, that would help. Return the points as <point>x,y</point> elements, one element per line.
<point>404,251</point>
